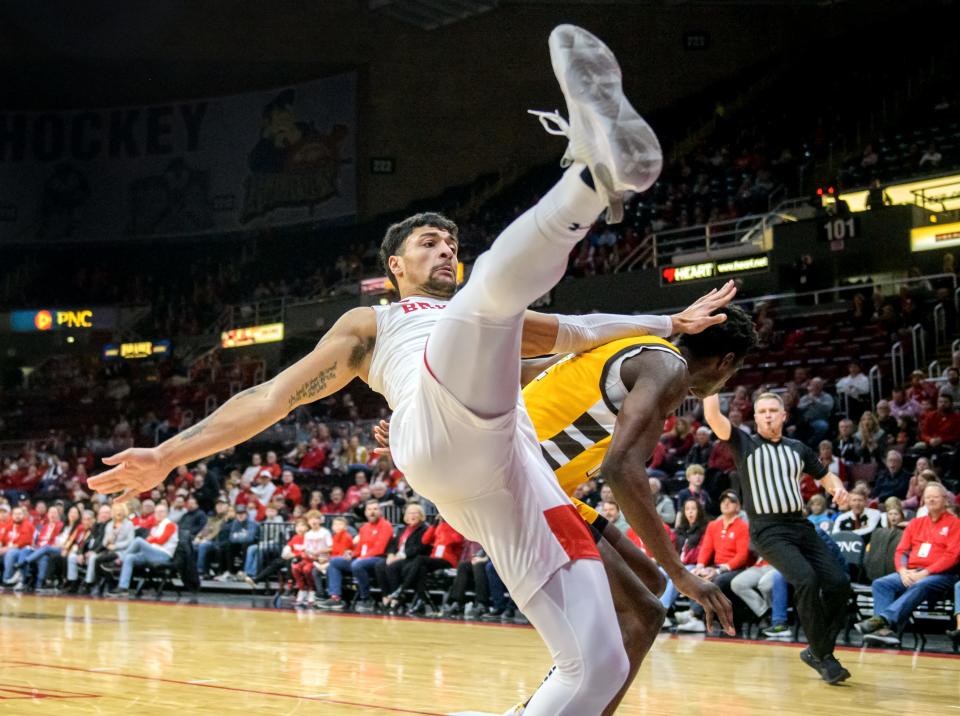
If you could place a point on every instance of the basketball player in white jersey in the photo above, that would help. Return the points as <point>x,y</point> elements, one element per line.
<point>450,370</point>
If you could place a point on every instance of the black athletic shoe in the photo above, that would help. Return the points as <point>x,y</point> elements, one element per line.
<point>451,611</point>
<point>492,615</point>
<point>868,626</point>
<point>832,671</point>
<point>807,657</point>
<point>363,606</point>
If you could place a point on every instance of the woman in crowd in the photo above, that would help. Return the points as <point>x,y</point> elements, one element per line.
<point>117,538</point>
<point>399,570</point>
<point>691,527</point>
<point>871,438</point>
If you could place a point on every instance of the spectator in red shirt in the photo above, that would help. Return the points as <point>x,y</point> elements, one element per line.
<point>5,522</point>
<point>353,492</point>
<point>342,539</point>
<point>19,537</point>
<point>940,428</point>
<point>315,458</point>
<point>289,489</point>
<point>146,518</point>
<point>183,478</point>
<point>724,554</point>
<point>920,389</point>
<point>338,504</point>
<point>158,548</point>
<point>926,561</point>
<point>373,538</point>
<point>272,466</point>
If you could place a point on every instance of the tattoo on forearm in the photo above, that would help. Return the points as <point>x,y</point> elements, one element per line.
<point>312,387</point>
<point>360,352</point>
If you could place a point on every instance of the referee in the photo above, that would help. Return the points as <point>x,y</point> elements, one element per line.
<point>770,467</point>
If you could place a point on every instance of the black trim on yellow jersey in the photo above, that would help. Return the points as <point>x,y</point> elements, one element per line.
<point>598,526</point>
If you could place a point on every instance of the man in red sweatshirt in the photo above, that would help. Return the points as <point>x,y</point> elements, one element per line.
<point>288,488</point>
<point>724,553</point>
<point>940,427</point>
<point>19,537</point>
<point>927,561</point>
<point>372,542</point>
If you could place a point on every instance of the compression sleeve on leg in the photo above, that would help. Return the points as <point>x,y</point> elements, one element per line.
<point>576,334</point>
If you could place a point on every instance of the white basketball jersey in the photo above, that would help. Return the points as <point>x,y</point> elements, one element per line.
<point>402,332</point>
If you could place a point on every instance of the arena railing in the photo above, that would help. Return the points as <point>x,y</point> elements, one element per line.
<point>749,233</point>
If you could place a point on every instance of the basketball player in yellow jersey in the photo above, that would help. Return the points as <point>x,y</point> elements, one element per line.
<point>602,412</point>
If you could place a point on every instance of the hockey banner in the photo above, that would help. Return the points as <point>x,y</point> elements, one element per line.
<point>216,165</point>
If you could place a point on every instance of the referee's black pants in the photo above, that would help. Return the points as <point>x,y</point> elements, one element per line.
<point>821,585</point>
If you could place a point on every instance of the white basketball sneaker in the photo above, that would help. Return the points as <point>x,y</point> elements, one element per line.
<point>606,133</point>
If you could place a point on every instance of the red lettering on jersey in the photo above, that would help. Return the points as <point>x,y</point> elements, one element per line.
<point>411,307</point>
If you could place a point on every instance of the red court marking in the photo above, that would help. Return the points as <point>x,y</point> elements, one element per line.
<point>801,645</point>
<point>29,692</point>
<point>278,694</point>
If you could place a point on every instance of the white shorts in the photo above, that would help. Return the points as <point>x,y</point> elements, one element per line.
<point>491,483</point>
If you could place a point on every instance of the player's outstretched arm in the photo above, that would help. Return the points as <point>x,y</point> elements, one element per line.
<point>655,393</point>
<point>338,358</point>
<point>546,334</point>
<point>715,418</point>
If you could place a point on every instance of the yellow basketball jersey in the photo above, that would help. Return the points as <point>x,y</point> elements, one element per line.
<point>574,405</point>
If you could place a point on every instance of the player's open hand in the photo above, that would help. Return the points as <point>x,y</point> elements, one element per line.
<point>136,470</point>
<point>381,433</point>
<point>709,596</point>
<point>699,316</point>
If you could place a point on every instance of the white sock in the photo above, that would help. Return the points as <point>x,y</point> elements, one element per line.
<point>566,212</point>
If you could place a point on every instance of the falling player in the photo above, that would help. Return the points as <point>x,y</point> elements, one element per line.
<point>450,370</point>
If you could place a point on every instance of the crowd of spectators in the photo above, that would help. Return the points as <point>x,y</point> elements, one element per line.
<point>333,521</point>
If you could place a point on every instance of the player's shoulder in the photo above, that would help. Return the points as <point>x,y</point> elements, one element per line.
<point>663,367</point>
<point>360,321</point>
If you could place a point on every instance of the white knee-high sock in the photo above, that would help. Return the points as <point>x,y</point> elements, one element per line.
<point>530,256</point>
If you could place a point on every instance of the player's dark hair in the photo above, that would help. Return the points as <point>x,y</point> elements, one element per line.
<point>393,240</point>
<point>735,335</point>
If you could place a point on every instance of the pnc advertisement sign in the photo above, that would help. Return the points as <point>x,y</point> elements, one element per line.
<point>670,275</point>
<point>254,335</point>
<point>62,319</point>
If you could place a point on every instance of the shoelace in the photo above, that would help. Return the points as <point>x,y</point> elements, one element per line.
<point>553,123</point>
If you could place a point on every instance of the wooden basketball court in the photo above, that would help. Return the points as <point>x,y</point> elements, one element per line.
<point>80,656</point>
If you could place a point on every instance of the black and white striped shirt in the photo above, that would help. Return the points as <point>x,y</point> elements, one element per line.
<point>770,473</point>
